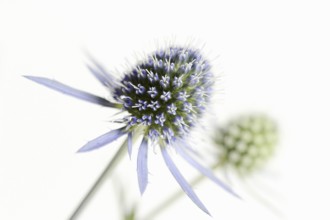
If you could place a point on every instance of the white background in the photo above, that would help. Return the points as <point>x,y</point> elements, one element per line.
<point>274,57</point>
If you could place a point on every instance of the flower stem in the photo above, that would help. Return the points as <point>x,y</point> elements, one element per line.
<point>98,183</point>
<point>175,196</point>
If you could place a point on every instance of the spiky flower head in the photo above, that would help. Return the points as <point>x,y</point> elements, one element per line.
<point>162,98</point>
<point>167,93</point>
<point>247,142</point>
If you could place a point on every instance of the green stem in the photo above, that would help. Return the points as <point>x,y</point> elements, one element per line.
<point>175,196</point>
<point>98,183</point>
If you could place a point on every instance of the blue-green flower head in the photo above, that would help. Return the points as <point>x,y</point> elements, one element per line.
<point>162,98</point>
<point>247,142</point>
<point>167,93</point>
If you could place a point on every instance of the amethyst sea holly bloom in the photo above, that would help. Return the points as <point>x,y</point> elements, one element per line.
<point>163,97</point>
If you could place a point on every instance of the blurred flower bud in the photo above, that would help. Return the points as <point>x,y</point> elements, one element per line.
<point>247,142</point>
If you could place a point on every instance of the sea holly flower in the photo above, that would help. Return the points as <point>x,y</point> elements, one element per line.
<point>163,96</point>
<point>247,142</point>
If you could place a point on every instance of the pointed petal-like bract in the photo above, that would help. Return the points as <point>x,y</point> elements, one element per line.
<point>187,147</point>
<point>102,140</point>
<point>142,165</point>
<point>101,74</point>
<point>104,79</point>
<point>204,171</point>
<point>53,84</point>
<point>182,182</point>
<point>129,144</point>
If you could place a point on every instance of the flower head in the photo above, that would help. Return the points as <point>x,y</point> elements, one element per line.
<point>168,86</point>
<point>247,142</point>
<point>163,97</point>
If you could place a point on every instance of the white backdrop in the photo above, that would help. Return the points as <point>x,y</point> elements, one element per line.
<point>273,57</point>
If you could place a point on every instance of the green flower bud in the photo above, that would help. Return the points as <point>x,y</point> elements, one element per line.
<point>247,142</point>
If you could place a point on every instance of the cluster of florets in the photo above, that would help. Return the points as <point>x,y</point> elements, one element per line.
<point>247,142</point>
<point>167,92</point>
<point>162,99</point>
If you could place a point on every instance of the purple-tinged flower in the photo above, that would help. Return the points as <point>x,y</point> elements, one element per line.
<point>163,96</point>
<point>165,81</point>
<point>166,96</point>
<point>160,119</point>
<point>140,89</point>
<point>177,82</point>
<point>171,109</point>
<point>182,96</point>
<point>141,105</point>
<point>154,105</point>
<point>152,92</point>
